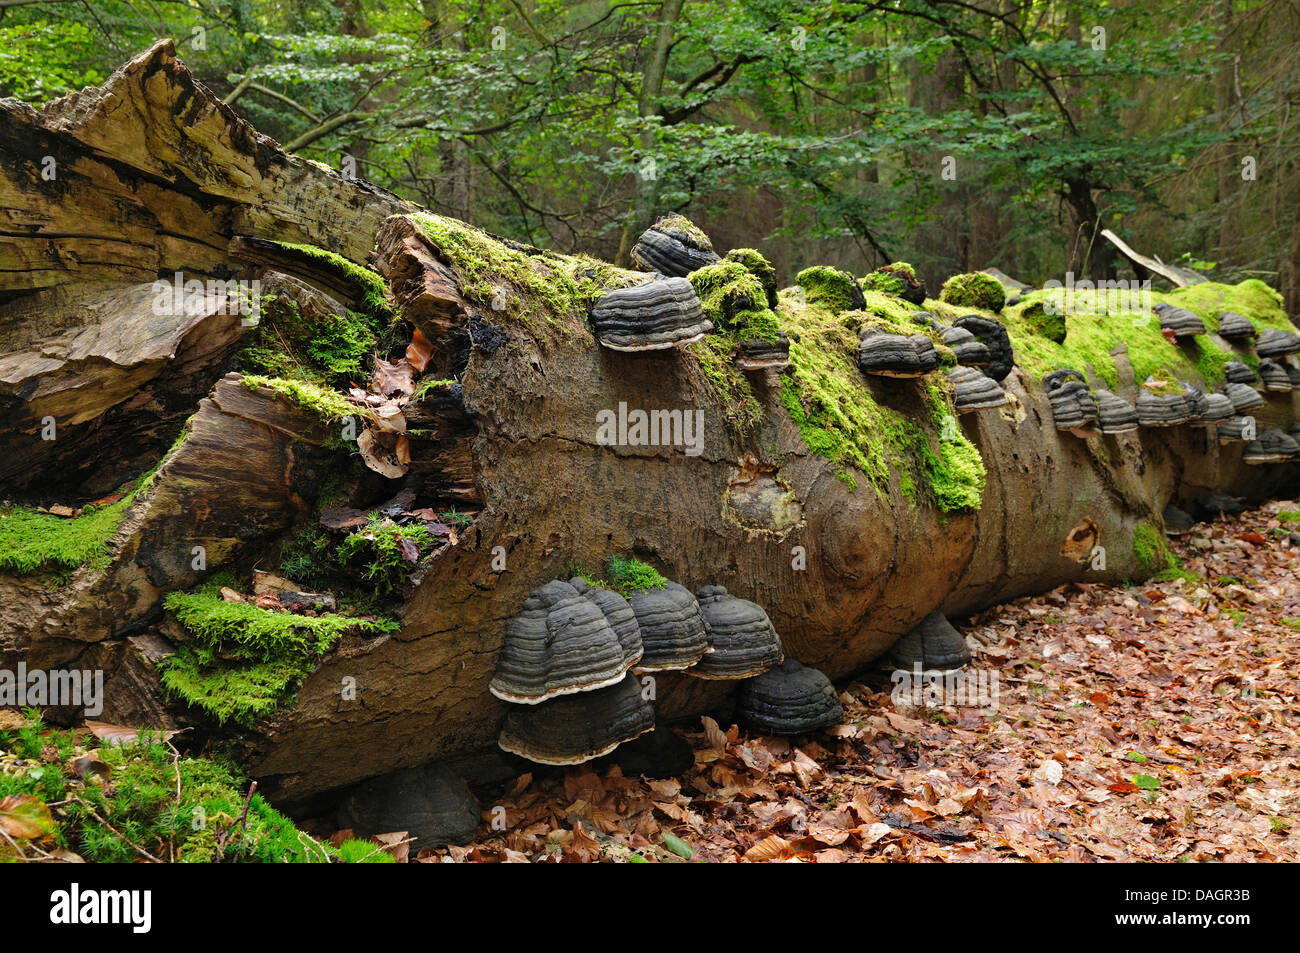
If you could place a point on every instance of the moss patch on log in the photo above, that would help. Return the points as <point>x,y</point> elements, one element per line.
<point>330,350</point>
<point>372,291</point>
<point>623,574</point>
<point>1151,549</point>
<point>827,287</point>
<point>328,405</point>
<point>974,290</point>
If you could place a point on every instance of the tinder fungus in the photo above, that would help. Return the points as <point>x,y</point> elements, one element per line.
<point>1073,406</point>
<point>560,643</point>
<point>757,354</point>
<point>1115,415</point>
<point>896,355</point>
<point>934,643</point>
<point>1234,326</point>
<point>673,246</point>
<point>968,349</point>
<point>1181,322</point>
<point>743,639</point>
<point>789,700</point>
<point>431,803</point>
<point>672,629</point>
<point>1274,376</point>
<point>1277,343</point>
<point>1163,410</point>
<point>973,391</point>
<point>1234,430</point>
<point>577,728</point>
<point>1236,372</point>
<point>618,613</point>
<point>1218,410</point>
<point>1243,397</point>
<point>658,314</point>
<point>1273,446</point>
<point>993,335</point>
<point>1197,405</point>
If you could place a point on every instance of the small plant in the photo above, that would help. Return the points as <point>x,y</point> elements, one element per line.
<point>454,518</point>
<point>384,552</point>
<point>629,575</point>
<point>974,290</point>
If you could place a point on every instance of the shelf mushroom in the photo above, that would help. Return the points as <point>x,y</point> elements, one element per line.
<point>1274,342</point>
<point>973,391</point>
<point>993,335</point>
<point>1234,326</point>
<point>1293,373</point>
<point>1074,409</point>
<point>742,637</point>
<point>1273,446</point>
<point>1179,321</point>
<point>1236,372</point>
<point>1274,376</point>
<point>1115,415</point>
<point>1163,410</point>
<point>896,355</point>
<point>1197,405</point>
<point>660,313</point>
<point>673,632</point>
<point>577,728</point>
<point>791,699</point>
<point>757,354</point>
<point>1243,397</point>
<point>618,613</point>
<point>968,349</point>
<point>560,643</point>
<point>1218,410</point>
<point>1235,429</point>
<point>934,644</point>
<point>673,246</point>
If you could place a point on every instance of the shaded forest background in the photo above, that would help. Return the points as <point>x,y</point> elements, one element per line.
<point>955,134</point>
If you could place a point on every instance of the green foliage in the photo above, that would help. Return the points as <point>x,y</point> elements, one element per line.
<point>726,290</point>
<point>628,575</point>
<point>371,290</point>
<point>1151,550</point>
<point>376,552</point>
<point>827,287</point>
<point>974,290</point>
<point>330,350</point>
<point>328,405</point>
<point>182,808</point>
<point>356,851</point>
<point>757,265</point>
<point>892,279</point>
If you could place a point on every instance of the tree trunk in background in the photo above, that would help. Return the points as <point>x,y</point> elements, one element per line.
<point>1228,173</point>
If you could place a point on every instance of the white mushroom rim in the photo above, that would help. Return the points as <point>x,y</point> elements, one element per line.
<point>576,759</point>
<point>653,346</point>
<point>568,690</point>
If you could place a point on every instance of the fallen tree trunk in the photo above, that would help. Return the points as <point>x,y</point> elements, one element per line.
<point>155,176</point>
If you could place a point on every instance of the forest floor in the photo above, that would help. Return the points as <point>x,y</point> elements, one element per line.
<point>1152,723</point>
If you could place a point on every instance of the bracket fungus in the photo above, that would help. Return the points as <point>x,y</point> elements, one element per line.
<point>1236,372</point>
<point>672,630</point>
<point>757,354</point>
<point>973,391</point>
<point>1235,430</point>
<point>578,728</point>
<point>993,335</point>
<point>1234,326</point>
<point>560,643</point>
<point>742,637</point>
<point>1273,446</point>
<point>1274,376</point>
<point>1164,409</point>
<point>1218,409</point>
<point>1179,321</point>
<point>1115,415</point>
<point>896,355</point>
<point>933,644</point>
<point>1243,397</point>
<point>673,246</point>
<point>791,699</point>
<point>1074,408</point>
<point>658,314</point>
<point>1274,342</point>
<point>965,346</point>
<point>618,613</point>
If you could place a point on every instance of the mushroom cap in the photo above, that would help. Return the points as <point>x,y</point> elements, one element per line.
<point>1239,373</point>
<point>1233,325</point>
<point>1218,409</point>
<point>1243,397</point>
<point>757,354</point>
<point>934,643</point>
<point>966,347</point>
<point>897,355</point>
<point>1273,446</point>
<point>672,629</point>
<point>1177,522</point>
<point>618,613</point>
<point>1180,321</point>
<point>1293,372</point>
<point>1232,430</point>
<point>1163,410</point>
<point>791,699</point>
<point>559,644</point>
<point>1074,407</point>
<point>430,802</point>
<point>1274,342</point>
<point>657,314</point>
<point>993,335</point>
<point>1274,376</point>
<point>1115,415</point>
<point>673,246</point>
<point>743,638</point>
<point>973,391</point>
<point>1223,504</point>
<point>577,728</point>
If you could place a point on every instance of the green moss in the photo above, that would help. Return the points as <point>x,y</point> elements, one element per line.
<point>1288,516</point>
<point>1044,320</point>
<point>715,354</point>
<point>1211,360</point>
<point>356,851</point>
<point>757,265</point>
<point>187,808</point>
<point>372,291</point>
<point>329,350</point>
<point>328,405</point>
<point>893,279</point>
<point>677,222</point>
<point>240,662</point>
<point>428,386</point>
<point>556,288</point>
<point>827,287</point>
<point>726,289</point>
<point>628,575</point>
<point>1151,549</point>
<point>1251,298</point>
<point>974,289</point>
<point>376,551</point>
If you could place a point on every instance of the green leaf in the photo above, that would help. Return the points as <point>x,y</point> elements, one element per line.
<point>1146,782</point>
<point>25,817</point>
<point>678,846</point>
